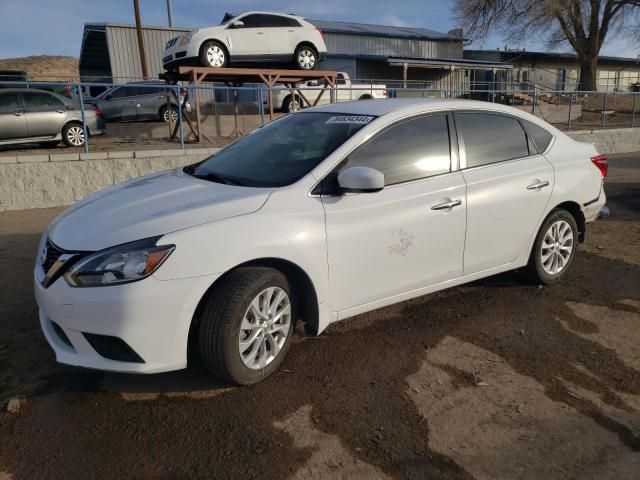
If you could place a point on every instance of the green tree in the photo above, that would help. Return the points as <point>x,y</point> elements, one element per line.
<point>584,24</point>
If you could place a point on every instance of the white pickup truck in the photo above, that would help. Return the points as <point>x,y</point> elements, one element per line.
<point>345,91</point>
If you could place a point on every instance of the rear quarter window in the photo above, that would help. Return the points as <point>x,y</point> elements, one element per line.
<point>541,137</point>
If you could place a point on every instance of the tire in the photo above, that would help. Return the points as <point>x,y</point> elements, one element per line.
<point>166,112</point>
<point>73,135</point>
<point>287,105</point>
<point>213,54</point>
<point>551,246</point>
<point>366,97</point>
<point>228,308</point>
<point>306,58</point>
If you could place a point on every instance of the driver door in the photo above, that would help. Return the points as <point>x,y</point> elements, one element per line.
<point>249,42</point>
<point>402,238</point>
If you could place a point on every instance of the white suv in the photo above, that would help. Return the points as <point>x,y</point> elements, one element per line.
<point>253,37</point>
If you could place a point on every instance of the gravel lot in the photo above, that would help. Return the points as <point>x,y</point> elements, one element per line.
<point>494,380</point>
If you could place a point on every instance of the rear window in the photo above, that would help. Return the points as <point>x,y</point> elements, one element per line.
<point>541,137</point>
<point>490,138</point>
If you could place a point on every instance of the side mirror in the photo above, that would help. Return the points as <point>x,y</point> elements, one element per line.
<point>361,180</point>
<point>238,24</point>
<point>108,97</point>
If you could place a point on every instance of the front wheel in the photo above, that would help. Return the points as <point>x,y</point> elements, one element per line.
<point>73,135</point>
<point>306,58</point>
<point>554,248</point>
<point>246,325</point>
<point>213,54</point>
<point>169,114</point>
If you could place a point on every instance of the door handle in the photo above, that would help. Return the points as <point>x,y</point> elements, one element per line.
<point>260,33</point>
<point>538,185</point>
<point>447,205</point>
<point>18,114</point>
<point>60,110</point>
<point>131,101</point>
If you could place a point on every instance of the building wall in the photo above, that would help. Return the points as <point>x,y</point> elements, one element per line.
<point>338,43</point>
<point>124,55</point>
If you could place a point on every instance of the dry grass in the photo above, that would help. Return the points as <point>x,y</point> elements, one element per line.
<point>44,67</point>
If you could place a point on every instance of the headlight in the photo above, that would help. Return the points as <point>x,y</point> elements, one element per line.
<point>117,265</point>
<point>185,38</point>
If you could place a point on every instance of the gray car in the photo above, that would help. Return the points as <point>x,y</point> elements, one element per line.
<point>38,116</point>
<point>137,101</point>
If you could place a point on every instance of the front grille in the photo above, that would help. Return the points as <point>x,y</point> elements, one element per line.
<point>112,348</point>
<point>52,255</point>
<point>166,59</point>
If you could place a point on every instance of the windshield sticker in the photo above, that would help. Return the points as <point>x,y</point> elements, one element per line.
<point>357,119</point>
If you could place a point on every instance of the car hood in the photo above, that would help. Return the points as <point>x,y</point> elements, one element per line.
<point>148,206</point>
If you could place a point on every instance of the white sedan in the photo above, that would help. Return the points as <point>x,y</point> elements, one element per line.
<point>318,216</point>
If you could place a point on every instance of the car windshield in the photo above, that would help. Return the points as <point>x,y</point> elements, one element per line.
<point>281,152</point>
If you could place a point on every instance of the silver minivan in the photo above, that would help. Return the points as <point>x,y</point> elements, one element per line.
<point>38,116</point>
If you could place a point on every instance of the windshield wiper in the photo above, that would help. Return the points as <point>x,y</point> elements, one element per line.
<point>215,177</point>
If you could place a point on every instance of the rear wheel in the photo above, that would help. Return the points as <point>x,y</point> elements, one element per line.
<point>169,114</point>
<point>213,54</point>
<point>73,135</point>
<point>554,248</point>
<point>306,58</point>
<point>247,324</point>
<point>291,104</point>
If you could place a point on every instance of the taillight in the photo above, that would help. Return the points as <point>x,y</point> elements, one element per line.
<point>602,163</point>
<point>97,110</point>
<point>320,31</point>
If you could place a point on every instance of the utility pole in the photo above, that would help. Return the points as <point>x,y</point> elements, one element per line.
<point>143,58</point>
<point>170,12</point>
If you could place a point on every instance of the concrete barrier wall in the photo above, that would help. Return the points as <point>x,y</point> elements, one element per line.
<point>42,181</point>
<point>618,140</point>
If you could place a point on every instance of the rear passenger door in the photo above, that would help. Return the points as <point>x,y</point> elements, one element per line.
<point>13,123</point>
<point>45,114</point>
<point>508,187</point>
<point>149,101</point>
<point>281,32</point>
<point>120,105</point>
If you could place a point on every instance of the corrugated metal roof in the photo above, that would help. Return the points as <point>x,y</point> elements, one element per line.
<point>381,30</point>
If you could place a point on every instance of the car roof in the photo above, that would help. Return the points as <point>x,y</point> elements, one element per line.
<point>25,90</point>
<point>379,107</point>
<point>262,12</point>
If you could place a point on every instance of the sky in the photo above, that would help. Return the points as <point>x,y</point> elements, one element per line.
<point>54,27</point>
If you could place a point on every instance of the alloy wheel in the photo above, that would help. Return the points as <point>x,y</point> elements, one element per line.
<point>306,59</point>
<point>215,56</point>
<point>557,247</point>
<point>265,328</point>
<point>75,135</point>
<point>170,115</point>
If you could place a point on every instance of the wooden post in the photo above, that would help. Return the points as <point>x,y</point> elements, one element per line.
<point>405,70</point>
<point>143,57</point>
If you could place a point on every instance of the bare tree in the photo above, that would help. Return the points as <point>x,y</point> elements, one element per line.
<point>584,24</point>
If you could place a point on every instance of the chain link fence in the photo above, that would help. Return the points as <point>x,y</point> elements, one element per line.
<point>151,115</point>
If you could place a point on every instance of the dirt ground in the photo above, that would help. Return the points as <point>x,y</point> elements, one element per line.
<point>494,380</point>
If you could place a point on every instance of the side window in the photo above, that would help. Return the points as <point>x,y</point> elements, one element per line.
<point>252,21</point>
<point>491,138</point>
<point>340,80</point>
<point>150,90</point>
<point>124,92</point>
<point>275,21</point>
<point>539,135</point>
<point>411,150</point>
<point>40,101</point>
<point>9,103</point>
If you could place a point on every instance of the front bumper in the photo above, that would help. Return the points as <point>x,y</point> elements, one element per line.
<point>152,317</point>
<point>170,63</point>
